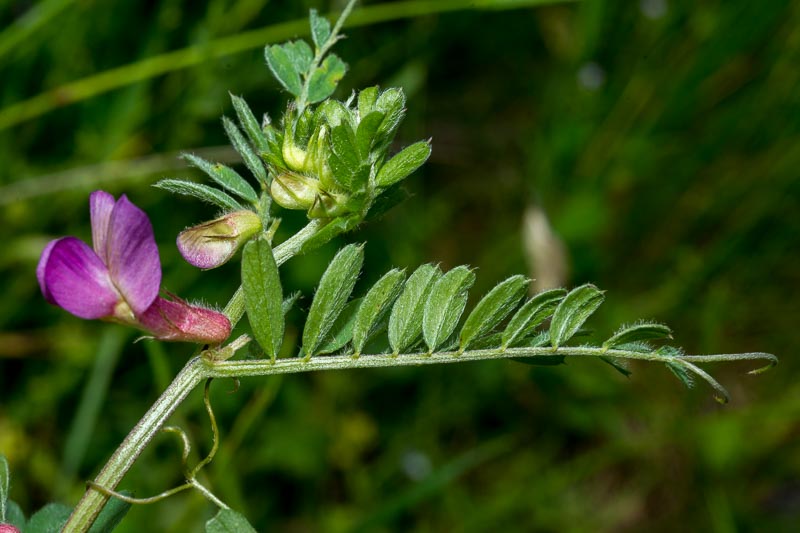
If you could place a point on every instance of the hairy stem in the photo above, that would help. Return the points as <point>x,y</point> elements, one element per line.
<point>93,500</point>
<point>264,367</point>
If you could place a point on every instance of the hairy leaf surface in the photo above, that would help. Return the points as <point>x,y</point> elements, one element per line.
<point>405,321</point>
<point>263,296</point>
<point>573,311</point>
<point>445,304</point>
<point>492,309</point>
<point>334,289</point>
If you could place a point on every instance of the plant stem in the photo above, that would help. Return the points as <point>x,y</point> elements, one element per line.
<point>264,367</point>
<point>93,501</point>
<point>302,100</point>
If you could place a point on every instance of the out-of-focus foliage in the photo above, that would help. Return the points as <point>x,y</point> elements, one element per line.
<point>662,139</point>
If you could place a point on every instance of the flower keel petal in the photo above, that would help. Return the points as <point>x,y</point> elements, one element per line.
<point>101,204</point>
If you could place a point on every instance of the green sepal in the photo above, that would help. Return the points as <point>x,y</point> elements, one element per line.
<point>366,101</point>
<point>263,296</point>
<point>492,309</point>
<point>201,192</point>
<point>366,132</point>
<point>405,320</point>
<point>573,311</point>
<point>334,289</point>
<point>445,305</point>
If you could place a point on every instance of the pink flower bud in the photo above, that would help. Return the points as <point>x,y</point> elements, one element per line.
<point>213,243</point>
<point>8,528</point>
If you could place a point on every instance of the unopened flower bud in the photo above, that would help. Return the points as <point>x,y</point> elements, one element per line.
<point>8,528</point>
<point>293,155</point>
<point>213,243</point>
<point>294,191</point>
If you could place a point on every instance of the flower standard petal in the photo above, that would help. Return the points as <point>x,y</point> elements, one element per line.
<point>101,204</point>
<point>176,320</point>
<point>77,280</point>
<point>40,269</point>
<point>132,255</point>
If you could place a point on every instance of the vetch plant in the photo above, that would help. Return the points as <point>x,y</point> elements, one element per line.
<point>333,160</point>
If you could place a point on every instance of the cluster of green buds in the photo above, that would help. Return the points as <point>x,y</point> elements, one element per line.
<point>326,157</point>
<point>332,161</point>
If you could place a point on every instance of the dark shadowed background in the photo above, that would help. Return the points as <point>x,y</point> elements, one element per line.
<point>651,147</point>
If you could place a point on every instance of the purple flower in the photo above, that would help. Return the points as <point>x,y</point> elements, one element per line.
<point>119,278</point>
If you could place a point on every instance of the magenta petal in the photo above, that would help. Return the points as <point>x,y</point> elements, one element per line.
<point>101,204</point>
<point>77,280</point>
<point>40,268</point>
<point>178,321</point>
<point>132,255</point>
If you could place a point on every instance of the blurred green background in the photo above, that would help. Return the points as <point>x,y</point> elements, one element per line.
<point>659,138</point>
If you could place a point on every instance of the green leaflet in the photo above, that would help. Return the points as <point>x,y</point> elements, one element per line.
<point>111,515</point>
<point>300,55</point>
<point>250,124</point>
<point>620,365</point>
<point>641,331</point>
<point>342,330</point>
<point>224,176</point>
<point>405,321</point>
<point>320,28</point>
<point>229,521</point>
<point>49,518</point>
<point>263,296</point>
<point>282,68</point>
<point>530,315</point>
<point>679,372</point>
<point>403,164</point>
<point>375,305</point>
<point>334,289</point>
<point>200,191</point>
<point>445,304</point>
<point>492,309</point>
<point>573,311</point>
<point>325,79</point>
<point>251,160</point>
